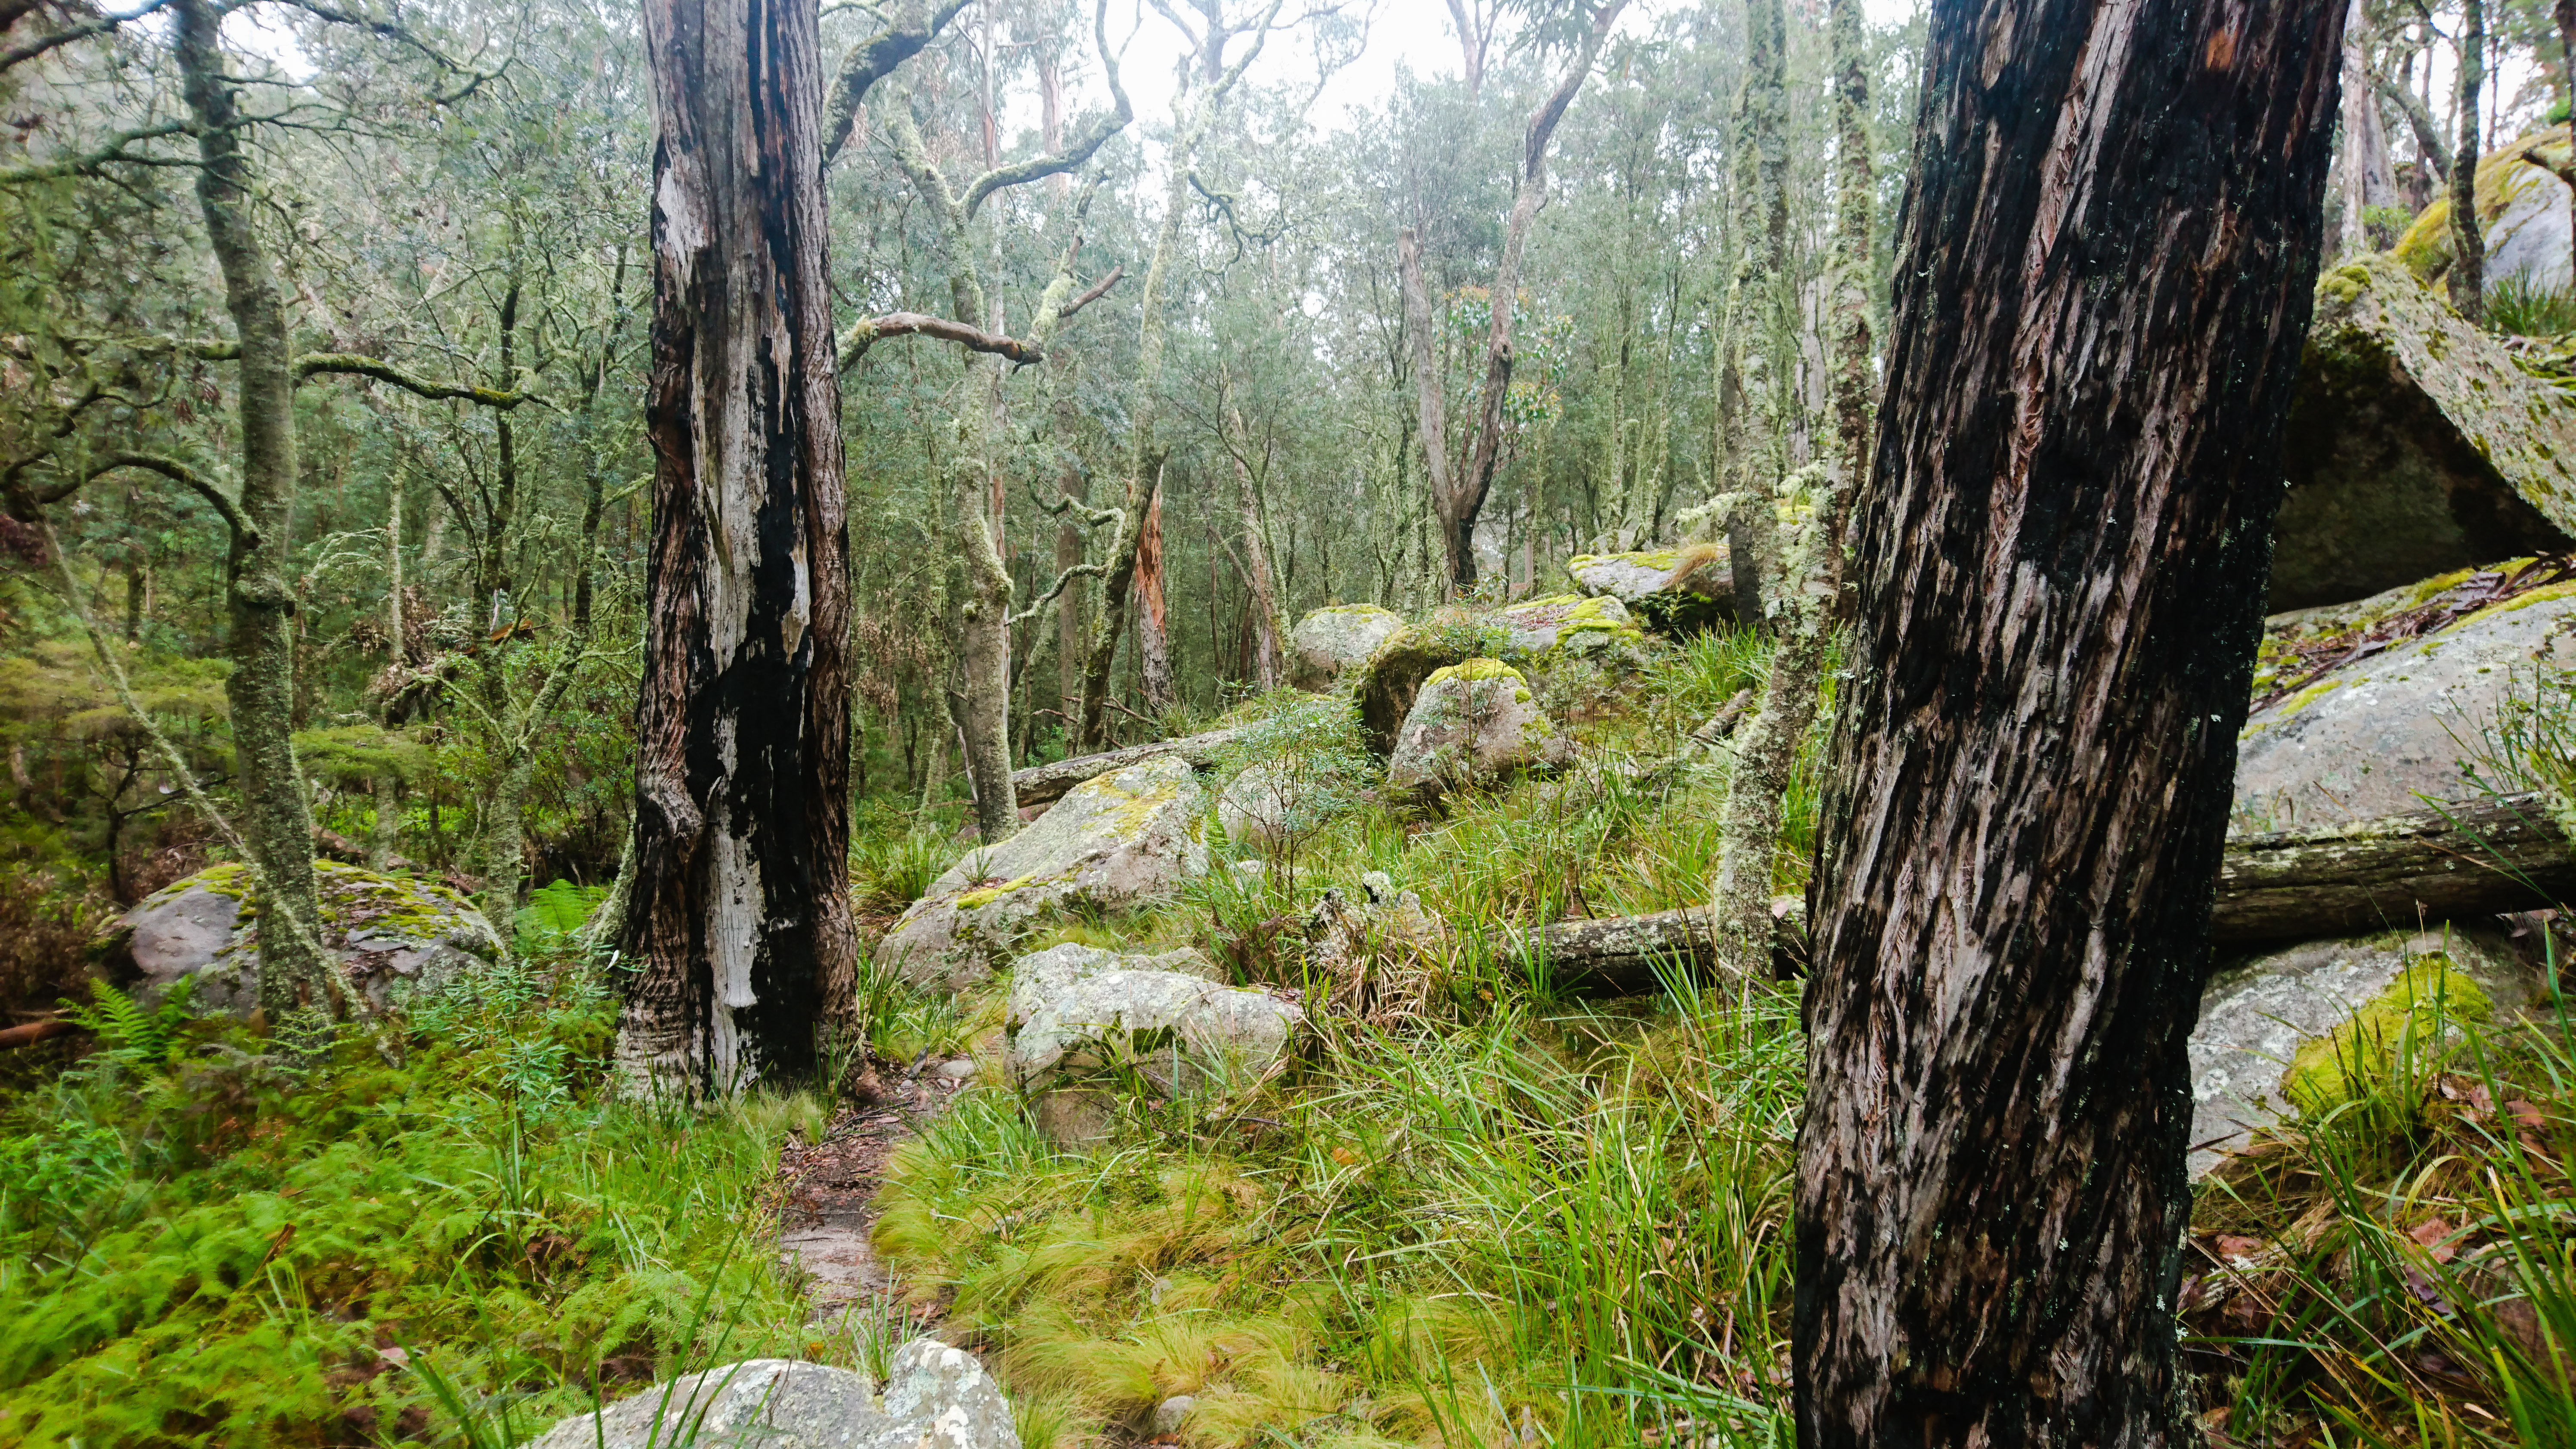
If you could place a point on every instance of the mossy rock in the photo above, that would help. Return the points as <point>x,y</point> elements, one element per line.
<point>2415,446</point>
<point>392,933</point>
<point>1386,685</point>
<point>1543,631</point>
<point>1676,591</point>
<point>1474,723</point>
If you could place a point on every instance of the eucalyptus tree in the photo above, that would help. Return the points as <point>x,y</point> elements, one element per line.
<point>2062,545</point>
<point>1459,483</point>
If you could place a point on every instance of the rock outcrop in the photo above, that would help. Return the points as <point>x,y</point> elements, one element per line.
<point>2414,445</point>
<point>2522,217</point>
<point>2308,1025</point>
<point>1087,1025</point>
<point>1120,840</point>
<point>936,1397</point>
<point>1384,687</point>
<point>2392,721</point>
<point>1675,590</point>
<point>1473,724</point>
<point>393,934</point>
<point>1331,641</point>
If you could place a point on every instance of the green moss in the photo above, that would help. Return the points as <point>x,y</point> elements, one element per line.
<point>2391,1032</point>
<point>1661,560</point>
<point>1479,669</point>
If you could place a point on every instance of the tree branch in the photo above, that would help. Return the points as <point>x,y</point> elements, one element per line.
<point>1078,571</point>
<point>351,364</point>
<point>101,26</point>
<point>186,477</point>
<point>867,332</point>
<point>1037,168</point>
<point>1093,517</point>
<point>2428,136</point>
<point>1095,294</point>
<point>867,64</point>
<point>113,151</point>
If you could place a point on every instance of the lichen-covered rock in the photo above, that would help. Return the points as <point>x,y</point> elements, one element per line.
<point>2414,445</point>
<point>1085,1028</point>
<point>1473,724</point>
<point>1041,976</point>
<point>1331,640</point>
<point>1123,839</point>
<point>2299,1027</point>
<point>2382,734</point>
<point>393,935</point>
<point>1674,590</point>
<point>1569,626</point>
<point>936,1397</point>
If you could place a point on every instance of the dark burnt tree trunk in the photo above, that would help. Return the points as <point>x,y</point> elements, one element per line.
<point>2062,552</point>
<point>739,919</point>
<point>2468,275</point>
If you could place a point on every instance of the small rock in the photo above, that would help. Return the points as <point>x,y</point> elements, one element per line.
<point>1169,1414</point>
<point>936,1397</point>
<point>1250,869</point>
<point>1329,641</point>
<point>1085,1029</point>
<point>1473,724</point>
<point>958,1069</point>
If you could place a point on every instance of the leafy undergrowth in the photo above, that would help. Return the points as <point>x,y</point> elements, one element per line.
<point>2401,1269</point>
<point>208,1243</point>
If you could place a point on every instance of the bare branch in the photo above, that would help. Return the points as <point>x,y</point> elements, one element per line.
<point>867,64</point>
<point>1095,294</point>
<point>1037,168</point>
<point>1063,502</point>
<point>867,332</point>
<point>101,26</point>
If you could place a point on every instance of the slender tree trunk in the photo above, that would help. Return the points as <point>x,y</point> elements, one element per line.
<point>1068,605</point>
<point>277,820</point>
<point>739,917</point>
<point>1758,787</point>
<point>2110,249</point>
<point>984,636</point>
<point>2565,13</point>
<point>1268,626</point>
<point>2368,182</point>
<point>2468,275</point>
<point>384,837</point>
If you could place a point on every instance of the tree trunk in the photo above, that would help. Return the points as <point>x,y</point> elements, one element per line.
<point>984,635</point>
<point>1758,787</point>
<point>276,820</point>
<point>2468,276</point>
<point>1269,627</point>
<point>739,918</point>
<point>384,835</point>
<point>2368,181</point>
<point>1153,641</point>
<point>2061,575</point>
<point>2565,13</point>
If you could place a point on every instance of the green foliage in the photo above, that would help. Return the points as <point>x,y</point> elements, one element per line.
<point>130,1034</point>
<point>203,1247</point>
<point>356,755</point>
<point>893,865</point>
<point>2517,308</point>
<point>555,911</point>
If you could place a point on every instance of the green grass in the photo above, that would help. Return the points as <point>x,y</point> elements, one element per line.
<point>208,1245</point>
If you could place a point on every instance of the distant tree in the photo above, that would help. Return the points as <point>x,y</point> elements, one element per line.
<point>2109,253</point>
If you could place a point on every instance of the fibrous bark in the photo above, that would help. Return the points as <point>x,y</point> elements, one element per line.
<point>739,918</point>
<point>2108,254</point>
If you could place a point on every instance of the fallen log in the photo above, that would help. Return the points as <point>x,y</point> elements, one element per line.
<point>34,1032</point>
<point>1045,784</point>
<point>2479,858</point>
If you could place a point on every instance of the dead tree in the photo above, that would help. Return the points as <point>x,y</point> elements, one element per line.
<point>738,917</point>
<point>2107,268</point>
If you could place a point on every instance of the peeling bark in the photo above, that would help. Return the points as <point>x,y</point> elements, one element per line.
<point>2109,251</point>
<point>739,916</point>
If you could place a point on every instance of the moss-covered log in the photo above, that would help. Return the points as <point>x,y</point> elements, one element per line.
<point>1046,784</point>
<point>1621,955</point>
<point>2474,859</point>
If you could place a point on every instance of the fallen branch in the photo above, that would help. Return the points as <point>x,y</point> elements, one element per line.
<point>2481,858</point>
<point>34,1032</point>
<point>1044,784</point>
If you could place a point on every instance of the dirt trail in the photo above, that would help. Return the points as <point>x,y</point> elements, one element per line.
<point>828,1202</point>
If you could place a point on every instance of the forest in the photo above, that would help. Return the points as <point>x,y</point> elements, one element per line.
<point>1025,724</point>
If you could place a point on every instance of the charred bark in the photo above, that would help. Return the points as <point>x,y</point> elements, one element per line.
<point>2108,260</point>
<point>739,917</point>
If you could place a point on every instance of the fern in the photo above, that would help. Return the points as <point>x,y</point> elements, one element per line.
<point>129,1032</point>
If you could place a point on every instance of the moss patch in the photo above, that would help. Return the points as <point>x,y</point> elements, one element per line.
<point>1474,670</point>
<point>2401,1026</point>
